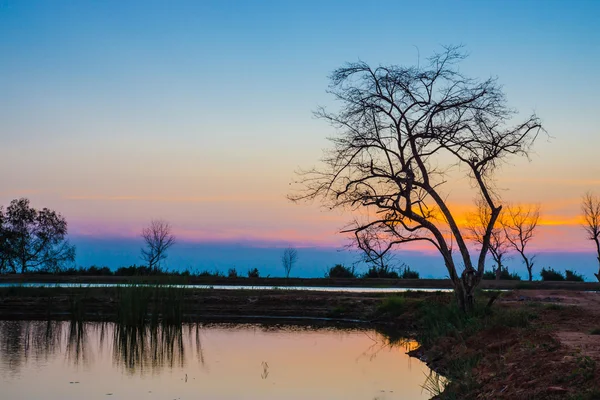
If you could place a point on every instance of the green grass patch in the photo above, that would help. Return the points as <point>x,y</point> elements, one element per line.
<point>393,306</point>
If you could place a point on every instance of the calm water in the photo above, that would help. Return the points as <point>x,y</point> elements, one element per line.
<point>235,287</point>
<point>63,360</point>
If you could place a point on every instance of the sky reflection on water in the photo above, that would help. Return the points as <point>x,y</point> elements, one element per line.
<point>69,360</point>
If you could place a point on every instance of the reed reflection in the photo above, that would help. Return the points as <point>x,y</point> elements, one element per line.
<point>135,348</point>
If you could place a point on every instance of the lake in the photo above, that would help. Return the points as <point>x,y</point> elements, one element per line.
<point>69,360</point>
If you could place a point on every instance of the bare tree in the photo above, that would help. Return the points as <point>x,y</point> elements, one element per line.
<point>401,132</point>
<point>477,224</point>
<point>590,207</point>
<point>288,259</point>
<point>158,237</point>
<point>374,251</point>
<point>519,223</point>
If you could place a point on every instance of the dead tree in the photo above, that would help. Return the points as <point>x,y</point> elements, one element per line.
<point>477,224</point>
<point>157,240</point>
<point>288,259</point>
<point>519,225</point>
<point>400,132</point>
<point>590,207</point>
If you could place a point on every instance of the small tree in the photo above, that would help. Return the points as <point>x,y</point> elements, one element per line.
<point>288,259</point>
<point>519,223</point>
<point>158,238</point>
<point>33,240</point>
<point>477,224</point>
<point>590,207</point>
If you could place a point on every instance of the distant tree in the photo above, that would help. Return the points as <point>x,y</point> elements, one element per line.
<point>232,273</point>
<point>504,275</point>
<point>519,223</point>
<point>407,273</point>
<point>340,271</point>
<point>573,276</point>
<point>253,273</point>
<point>401,130</point>
<point>590,207</point>
<point>33,240</point>
<point>551,275</point>
<point>158,238</point>
<point>288,259</point>
<point>477,225</point>
<point>4,245</point>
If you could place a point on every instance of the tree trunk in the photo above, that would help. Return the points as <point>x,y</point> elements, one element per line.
<point>498,270</point>
<point>529,269</point>
<point>23,265</point>
<point>465,291</point>
<point>598,258</point>
<point>465,298</point>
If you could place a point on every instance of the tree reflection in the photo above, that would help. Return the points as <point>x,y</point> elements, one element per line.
<point>135,348</point>
<point>25,340</point>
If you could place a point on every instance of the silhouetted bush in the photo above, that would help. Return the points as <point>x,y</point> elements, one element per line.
<point>573,276</point>
<point>253,273</point>
<point>232,273</point>
<point>408,273</point>
<point>381,271</point>
<point>551,275</point>
<point>340,271</point>
<point>207,273</point>
<point>93,270</point>
<point>504,275</point>
<point>133,270</point>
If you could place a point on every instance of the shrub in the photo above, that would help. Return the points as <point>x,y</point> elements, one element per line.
<point>573,276</point>
<point>232,273</point>
<point>504,275</point>
<point>133,270</point>
<point>340,271</point>
<point>207,273</point>
<point>253,273</point>
<point>551,275</point>
<point>382,271</point>
<point>393,306</point>
<point>408,273</point>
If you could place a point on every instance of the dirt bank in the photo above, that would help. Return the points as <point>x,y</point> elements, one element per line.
<point>555,355</point>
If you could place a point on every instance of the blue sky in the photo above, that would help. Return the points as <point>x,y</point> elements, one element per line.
<point>199,112</point>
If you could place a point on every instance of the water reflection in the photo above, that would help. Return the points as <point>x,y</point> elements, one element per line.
<point>74,359</point>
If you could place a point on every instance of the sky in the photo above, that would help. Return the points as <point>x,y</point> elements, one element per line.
<point>115,113</point>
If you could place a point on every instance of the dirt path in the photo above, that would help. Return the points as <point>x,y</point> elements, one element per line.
<point>577,326</point>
